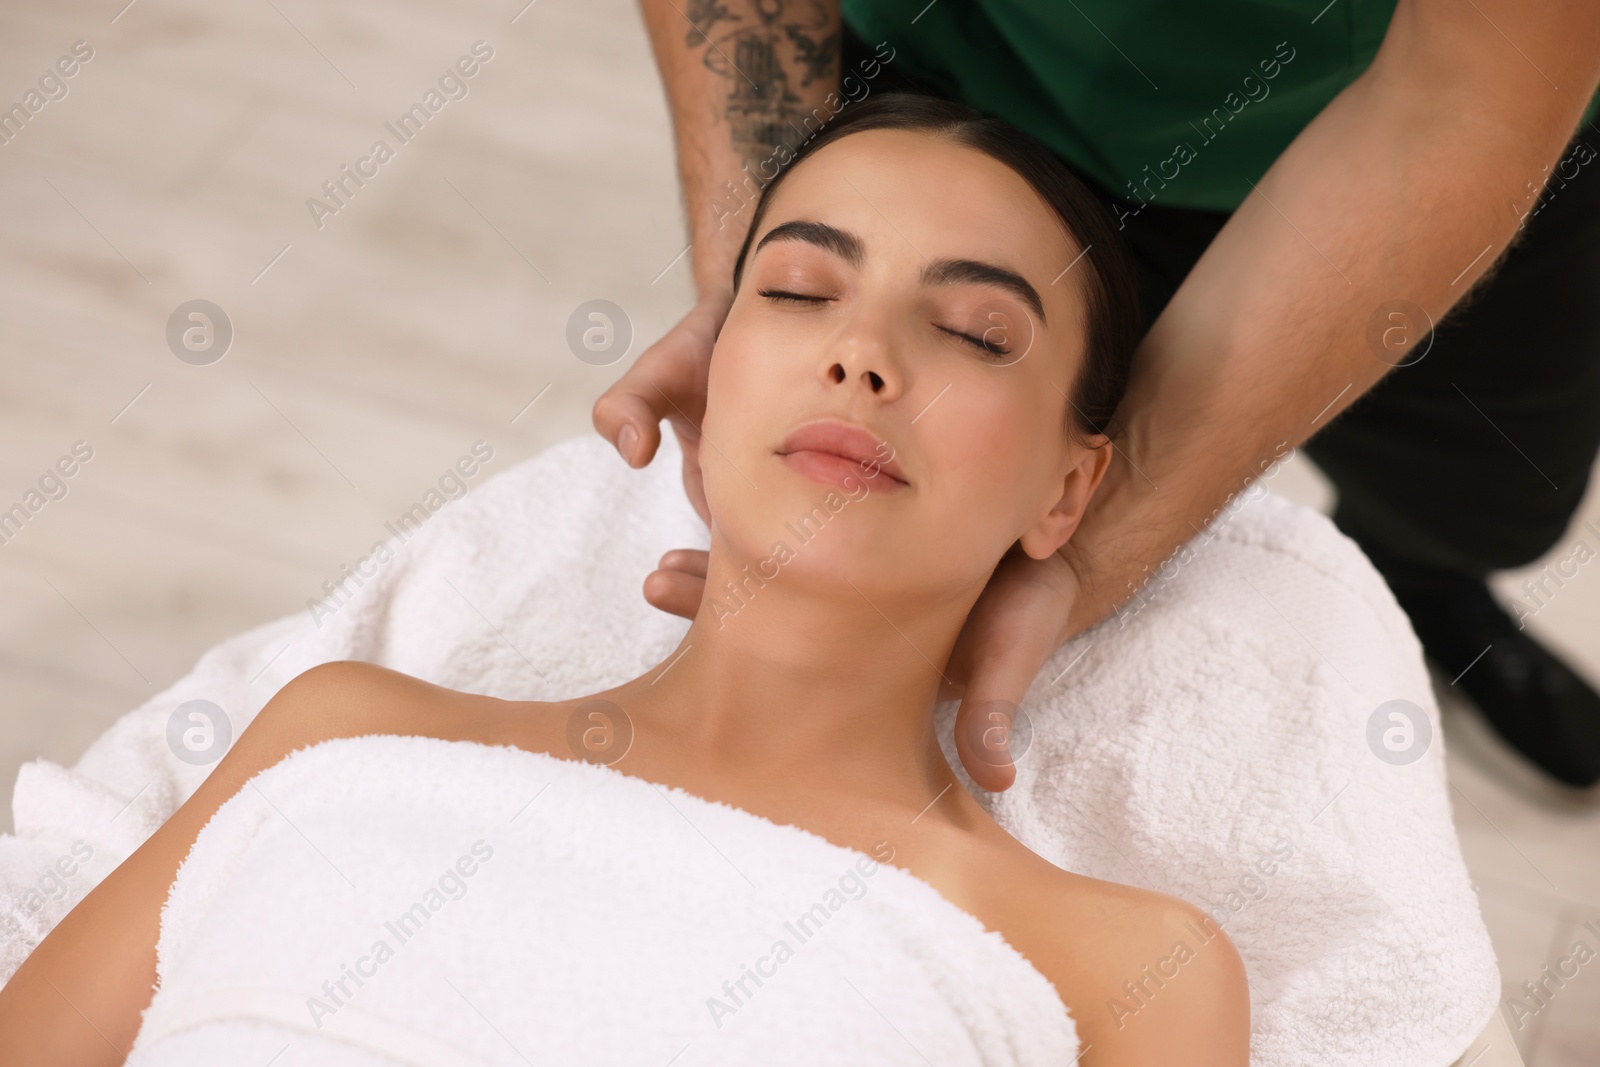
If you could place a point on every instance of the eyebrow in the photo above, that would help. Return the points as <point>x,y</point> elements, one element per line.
<point>848,247</point>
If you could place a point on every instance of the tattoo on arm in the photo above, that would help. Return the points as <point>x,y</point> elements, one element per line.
<point>703,16</point>
<point>766,51</point>
<point>819,58</point>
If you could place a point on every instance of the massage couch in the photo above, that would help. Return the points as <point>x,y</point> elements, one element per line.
<point>1229,737</point>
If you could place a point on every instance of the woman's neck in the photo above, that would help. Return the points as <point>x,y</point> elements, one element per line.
<point>806,679</point>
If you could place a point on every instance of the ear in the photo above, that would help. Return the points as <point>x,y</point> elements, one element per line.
<point>1058,523</point>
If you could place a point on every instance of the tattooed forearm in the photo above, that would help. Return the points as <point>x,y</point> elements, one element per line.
<point>766,51</point>
<point>748,82</point>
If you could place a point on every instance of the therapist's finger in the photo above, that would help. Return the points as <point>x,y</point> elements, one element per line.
<point>1013,629</point>
<point>628,421</point>
<point>675,592</point>
<point>991,729</point>
<point>656,387</point>
<point>693,561</point>
<point>668,381</point>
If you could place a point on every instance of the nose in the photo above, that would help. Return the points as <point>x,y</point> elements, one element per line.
<point>862,358</point>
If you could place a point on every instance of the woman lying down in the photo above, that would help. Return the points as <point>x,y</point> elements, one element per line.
<point>756,853</point>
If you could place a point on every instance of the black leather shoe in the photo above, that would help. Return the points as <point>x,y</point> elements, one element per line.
<point>1532,699</point>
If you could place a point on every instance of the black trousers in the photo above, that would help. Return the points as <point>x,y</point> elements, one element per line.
<point>1475,457</point>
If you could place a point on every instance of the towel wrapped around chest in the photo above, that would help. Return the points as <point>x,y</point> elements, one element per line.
<point>387,900</point>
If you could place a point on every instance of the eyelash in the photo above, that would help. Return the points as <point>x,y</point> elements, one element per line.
<point>783,296</point>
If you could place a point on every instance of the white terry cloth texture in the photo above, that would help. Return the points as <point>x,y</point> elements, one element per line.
<point>438,902</point>
<point>1212,744</point>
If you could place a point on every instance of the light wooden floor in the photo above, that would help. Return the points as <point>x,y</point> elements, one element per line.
<point>370,353</point>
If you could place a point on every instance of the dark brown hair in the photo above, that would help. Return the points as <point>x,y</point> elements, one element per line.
<point>1106,273</point>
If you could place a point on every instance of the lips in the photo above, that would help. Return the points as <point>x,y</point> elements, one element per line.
<point>832,451</point>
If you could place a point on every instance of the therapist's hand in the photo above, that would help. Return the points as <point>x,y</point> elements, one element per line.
<point>668,381</point>
<point>1019,621</point>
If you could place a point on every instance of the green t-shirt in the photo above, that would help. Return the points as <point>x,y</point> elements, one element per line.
<point>1162,101</point>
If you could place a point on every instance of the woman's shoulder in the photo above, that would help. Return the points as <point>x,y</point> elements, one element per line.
<point>349,698</point>
<point>1148,976</point>
<point>101,958</point>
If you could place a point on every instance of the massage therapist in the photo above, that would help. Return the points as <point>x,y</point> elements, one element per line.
<point>1310,186</point>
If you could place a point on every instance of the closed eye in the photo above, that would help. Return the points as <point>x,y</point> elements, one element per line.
<point>991,347</point>
<point>783,296</point>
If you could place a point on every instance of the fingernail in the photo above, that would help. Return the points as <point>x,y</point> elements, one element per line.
<point>625,442</point>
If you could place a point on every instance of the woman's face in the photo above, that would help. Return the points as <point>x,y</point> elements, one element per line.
<point>886,403</point>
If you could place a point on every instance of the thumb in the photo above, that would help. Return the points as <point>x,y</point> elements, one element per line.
<point>629,415</point>
<point>993,730</point>
<point>668,381</point>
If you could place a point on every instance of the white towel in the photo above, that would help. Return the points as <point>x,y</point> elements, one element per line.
<point>437,902</point>
<point>1212,743</point>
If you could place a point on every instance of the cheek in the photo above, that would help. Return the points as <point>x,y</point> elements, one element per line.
<point>997,456</point>
<point>992,454</point>
<point>746,407</point>
<point>727,399</point>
